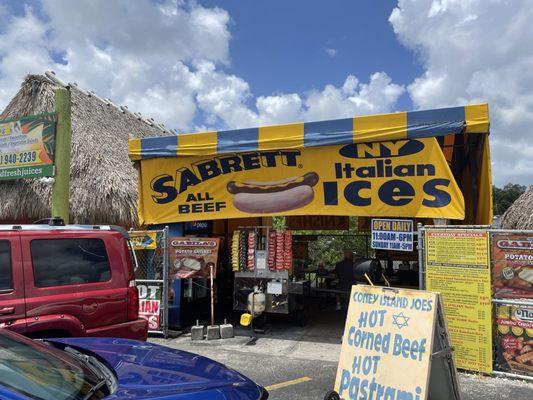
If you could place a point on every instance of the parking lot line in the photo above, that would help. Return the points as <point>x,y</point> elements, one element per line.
<point>288,383</point>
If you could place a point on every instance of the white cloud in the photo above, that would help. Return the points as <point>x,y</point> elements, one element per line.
<point>173,30</point>
<point>477,51</point>
<point>283,107</point>
<point>23,49</point>
<point>132,52</point>
<point>168,60</point>
<point>331,52</point>
<point>377,96</point>
<point>224,97</point>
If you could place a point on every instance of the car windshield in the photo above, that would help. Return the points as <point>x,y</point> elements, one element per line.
<point>42,372</point>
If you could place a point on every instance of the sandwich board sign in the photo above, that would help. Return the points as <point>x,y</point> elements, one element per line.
<point>395,346</point>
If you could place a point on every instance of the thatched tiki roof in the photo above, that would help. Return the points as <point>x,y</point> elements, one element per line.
<point>103,186</point>
<point>520,214</point>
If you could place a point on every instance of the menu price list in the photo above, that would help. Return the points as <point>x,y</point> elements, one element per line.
<point>465,287</point>
<point>457,248</point>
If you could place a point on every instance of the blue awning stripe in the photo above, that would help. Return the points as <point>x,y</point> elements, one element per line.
<point>434,123</point>
<point>324,133</point>
<point>382,127</point>
<point>163,146</point>
<point>237,140</point>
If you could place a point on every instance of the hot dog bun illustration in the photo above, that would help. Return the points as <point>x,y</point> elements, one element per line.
<point>274,196</point>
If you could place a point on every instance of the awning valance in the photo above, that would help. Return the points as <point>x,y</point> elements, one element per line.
<point>359,129</point>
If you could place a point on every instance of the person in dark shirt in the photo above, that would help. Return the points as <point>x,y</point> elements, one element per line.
<point>344,272</point>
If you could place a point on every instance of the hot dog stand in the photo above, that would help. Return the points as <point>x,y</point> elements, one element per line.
<point>423,165</point>
<point>262,263</point>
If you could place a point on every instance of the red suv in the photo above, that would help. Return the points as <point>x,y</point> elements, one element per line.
<point>68,280</point>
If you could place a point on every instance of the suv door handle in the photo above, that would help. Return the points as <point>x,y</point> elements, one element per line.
<point>7,310</point>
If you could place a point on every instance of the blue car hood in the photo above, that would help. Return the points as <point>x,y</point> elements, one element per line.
<point>149,371</point>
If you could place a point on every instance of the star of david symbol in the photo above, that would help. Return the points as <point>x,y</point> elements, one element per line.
<point>400,320</point>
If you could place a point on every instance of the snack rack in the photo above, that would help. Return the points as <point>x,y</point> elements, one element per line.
<point>262,257</point>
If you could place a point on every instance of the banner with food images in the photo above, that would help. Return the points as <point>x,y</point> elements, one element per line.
<point>192,257</point>
<point>390,179</point>
<point>27,147</point>
<point>512,266</point>
<point>514,341</point>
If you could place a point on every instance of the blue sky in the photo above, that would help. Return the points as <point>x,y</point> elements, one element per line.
<point>213,64</point>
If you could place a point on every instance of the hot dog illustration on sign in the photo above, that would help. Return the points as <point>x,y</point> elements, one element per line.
<point>273,196</point>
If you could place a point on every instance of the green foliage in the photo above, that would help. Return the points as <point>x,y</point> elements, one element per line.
<point>329,247</point>
<point>278,223</point>
<point>503,198</point>
<point>328,250</point>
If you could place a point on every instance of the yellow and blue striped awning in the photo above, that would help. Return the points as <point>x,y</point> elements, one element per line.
<point>359,129</point>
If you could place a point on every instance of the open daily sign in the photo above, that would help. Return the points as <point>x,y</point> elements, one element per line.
<point>387,344</point>
<point>392,234</point>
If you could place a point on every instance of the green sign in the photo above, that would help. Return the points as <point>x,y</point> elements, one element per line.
<point>27,147</point>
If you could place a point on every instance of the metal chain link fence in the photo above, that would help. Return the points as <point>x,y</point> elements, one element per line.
<point>150,249</point>
<point>512,313</point>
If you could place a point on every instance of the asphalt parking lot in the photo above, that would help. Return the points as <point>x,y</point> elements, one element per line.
<point>284,377</point>
<point>300,363</point>
<point>291,362</point>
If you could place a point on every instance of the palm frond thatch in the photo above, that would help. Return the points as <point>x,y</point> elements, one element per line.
<point>103,185</point>
<point>520,214</point>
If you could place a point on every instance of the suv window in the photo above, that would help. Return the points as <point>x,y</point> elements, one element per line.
<point>5,265</point>
<point>58,262</point>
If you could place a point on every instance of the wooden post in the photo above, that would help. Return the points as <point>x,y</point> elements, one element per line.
<point>61,186</point>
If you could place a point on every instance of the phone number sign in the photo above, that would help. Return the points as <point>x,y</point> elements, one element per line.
<point>392,234</point>
<point>27,147</point>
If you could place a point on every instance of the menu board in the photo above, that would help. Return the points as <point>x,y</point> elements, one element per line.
<point>457,247</point>
<point>458,266</point>
<point>512,266</point>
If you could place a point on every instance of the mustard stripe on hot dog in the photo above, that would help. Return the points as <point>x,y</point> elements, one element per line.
<point>309,179</point>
